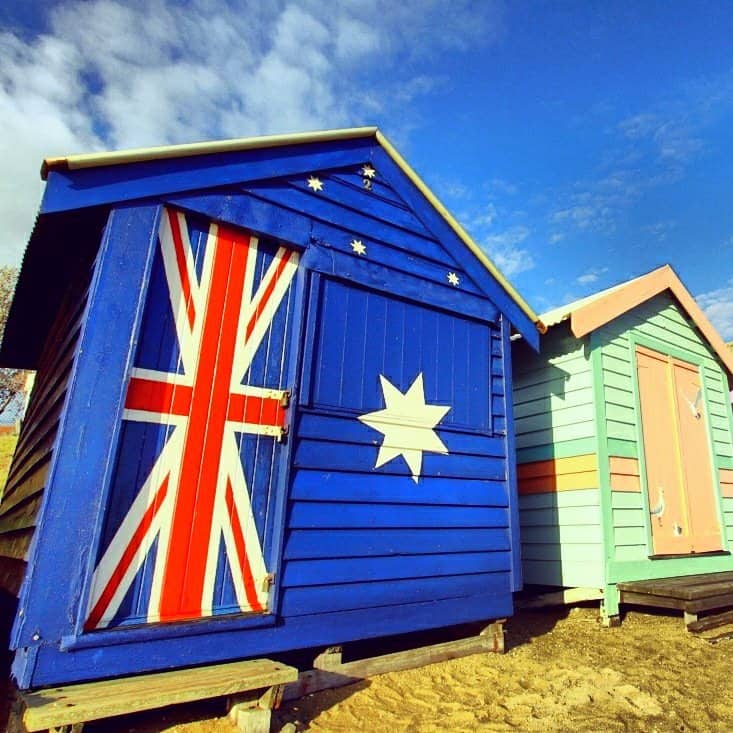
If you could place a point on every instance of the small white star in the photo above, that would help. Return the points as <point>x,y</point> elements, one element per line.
<point>315,184</point>
<point>358,246</point>
<point>368,172</point>
<point>453,279</point>
<point>408,425</point>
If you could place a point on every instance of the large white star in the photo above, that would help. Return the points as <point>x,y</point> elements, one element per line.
<point>407,424</point>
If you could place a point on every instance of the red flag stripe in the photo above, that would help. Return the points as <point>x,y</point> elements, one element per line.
<point>257,410</point>
<point>185,573</point>
<point>150,395</point>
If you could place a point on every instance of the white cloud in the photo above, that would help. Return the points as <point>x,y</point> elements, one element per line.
<point>660,229</point>
<point>718,307</point>
<point>128,73</point>
<point>591,276</point>
<point>506,251</point>
<point>557,237</point>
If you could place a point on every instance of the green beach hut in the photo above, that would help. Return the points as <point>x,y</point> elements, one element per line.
<point>624,439</point>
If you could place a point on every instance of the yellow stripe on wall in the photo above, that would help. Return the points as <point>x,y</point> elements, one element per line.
<point>558,474</point>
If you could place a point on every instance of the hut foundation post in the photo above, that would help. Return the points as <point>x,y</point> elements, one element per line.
<point>495,631</point>
<point>329,658</point>
<point>610,617</point>
<point>254,715</point>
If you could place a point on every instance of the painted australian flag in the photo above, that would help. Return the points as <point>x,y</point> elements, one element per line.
<point>186,522</point>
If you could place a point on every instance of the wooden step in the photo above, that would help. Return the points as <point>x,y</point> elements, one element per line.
<point>67,705</point>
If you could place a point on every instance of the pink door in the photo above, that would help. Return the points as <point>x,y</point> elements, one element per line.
<point>683,513</point>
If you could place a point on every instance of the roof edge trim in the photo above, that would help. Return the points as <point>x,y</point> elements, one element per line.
<point>460,231</point>
<point>620,300</point>
<point>120,157</point>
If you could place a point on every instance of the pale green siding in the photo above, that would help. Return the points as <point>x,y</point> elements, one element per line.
<point>554,417</point>
<point>561,538</point>
<point>553,396</point>
<point>661,319</point>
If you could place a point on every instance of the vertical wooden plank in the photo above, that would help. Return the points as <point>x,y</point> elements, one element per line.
<point>700,486</point>
<point>54,592</point>
<point>517,581</point>
<point>669,521</point>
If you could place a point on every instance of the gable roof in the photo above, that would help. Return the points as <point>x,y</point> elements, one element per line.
<point>94,160</point>
<point>588,314</point>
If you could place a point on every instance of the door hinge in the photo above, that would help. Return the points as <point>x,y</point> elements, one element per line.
<point>268,581</point>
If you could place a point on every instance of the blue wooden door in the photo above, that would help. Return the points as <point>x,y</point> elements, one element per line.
<point>188,527</point>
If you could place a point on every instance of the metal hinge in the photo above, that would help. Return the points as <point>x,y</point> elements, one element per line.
<point>285,399</point>
<point>268,581</point>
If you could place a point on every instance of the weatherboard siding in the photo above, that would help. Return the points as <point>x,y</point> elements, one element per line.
<point>663,320</point>
<point>559,497</point>
<point>29,469</point>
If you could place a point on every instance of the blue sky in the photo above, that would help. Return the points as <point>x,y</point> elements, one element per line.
<point>580,143</point>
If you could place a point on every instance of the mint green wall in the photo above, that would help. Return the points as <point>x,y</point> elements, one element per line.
<point>553,398</point>
<point>554,417</point>
<point>662,321</point>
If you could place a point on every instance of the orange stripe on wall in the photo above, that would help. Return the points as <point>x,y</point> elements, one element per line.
<point>726,483</point>
<point>624,474</point>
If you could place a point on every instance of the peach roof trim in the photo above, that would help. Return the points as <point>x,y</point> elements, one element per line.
<point>591,313</point>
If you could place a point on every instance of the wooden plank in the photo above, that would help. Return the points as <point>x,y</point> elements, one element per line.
<point>691,587</point>
<point>314,515</point>
<point>91,701</point>
<point>645,599</point>
<point>711,622</point>
<point>350,672</point>
<point>299,573</point>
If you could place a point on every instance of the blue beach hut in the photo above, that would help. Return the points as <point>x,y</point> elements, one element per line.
<point>272,410</point>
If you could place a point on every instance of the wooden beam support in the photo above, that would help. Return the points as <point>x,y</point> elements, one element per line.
<point>74,704</point>
<point>333,675</point>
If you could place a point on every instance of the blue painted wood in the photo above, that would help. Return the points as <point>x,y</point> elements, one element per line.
<point>380,188</point>
<point>321,208</point>
<point>348,317</point>
<point>119,658</point>
<point>319,455</point>
<point>435,223</point>
<point>361,201</point>
<point>332,543</point>
<point>28,474</point>
<point>341,427</point>
<point>116,183</point>
<point>517,581</point>
<point>299,573</point>
<point>304,601</point>
<point>342,487</point>
<point>310,515</point>
<point>69,518</point>
<point>249,212</point>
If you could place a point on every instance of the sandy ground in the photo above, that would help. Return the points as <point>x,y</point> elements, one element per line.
<point>562,672</point>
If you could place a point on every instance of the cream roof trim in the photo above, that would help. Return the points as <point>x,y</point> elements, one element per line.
<point>92,160</point>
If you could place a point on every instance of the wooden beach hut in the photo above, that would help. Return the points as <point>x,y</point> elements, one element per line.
<point>625,450</point>
<point>272,411</point>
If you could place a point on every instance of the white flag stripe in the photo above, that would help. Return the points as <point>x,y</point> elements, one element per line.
<point>244,356</point>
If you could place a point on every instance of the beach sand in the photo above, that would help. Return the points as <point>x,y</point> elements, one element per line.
<point>562,672</point>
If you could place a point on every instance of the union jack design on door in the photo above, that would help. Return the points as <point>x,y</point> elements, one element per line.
<point>205,405</point>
